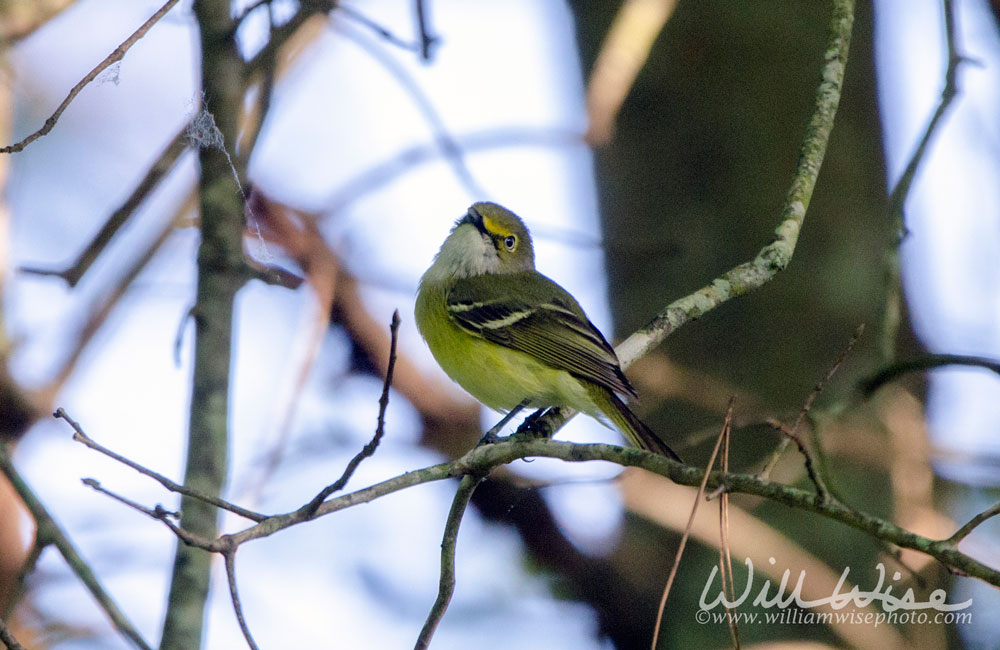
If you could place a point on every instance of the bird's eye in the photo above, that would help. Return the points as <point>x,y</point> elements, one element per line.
<point>510,241</point>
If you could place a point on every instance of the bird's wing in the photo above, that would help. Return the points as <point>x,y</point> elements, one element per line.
<point>545,322</point>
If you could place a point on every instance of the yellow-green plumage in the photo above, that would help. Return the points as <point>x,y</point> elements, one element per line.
<point>507,333</point>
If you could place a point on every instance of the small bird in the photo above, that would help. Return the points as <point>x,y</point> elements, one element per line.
<point>509,335</point>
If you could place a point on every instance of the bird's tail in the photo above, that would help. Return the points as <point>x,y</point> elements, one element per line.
<point>629,423</point>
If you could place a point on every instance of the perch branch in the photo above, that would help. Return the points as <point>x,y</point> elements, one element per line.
<point>482,459</point>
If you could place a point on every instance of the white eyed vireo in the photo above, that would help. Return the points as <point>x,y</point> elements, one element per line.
<point>509,335</point>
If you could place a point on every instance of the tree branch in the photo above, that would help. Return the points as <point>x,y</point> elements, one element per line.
<point>897,198</point>
<point>120,216</point>
<point>482,459</point>
<point>446,586</point>
<point>774,257</point>
<point>47,531</point>
<point>965,530</point>
<point>234,593</point>
<point>368,450</point>
<point>8,639</point>
<point>80,436</point>
<point>117,55</point>
<point>927,362</point>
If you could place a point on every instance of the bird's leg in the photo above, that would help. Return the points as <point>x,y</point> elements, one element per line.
<point>493,434</point>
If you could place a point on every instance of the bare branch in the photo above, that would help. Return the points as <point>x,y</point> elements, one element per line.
<point>8,639</point>
<point>897,198</point>
<point>482,459</point>
<point>792,434</point>
<point>117,55</point>
<point>368,450</point>
<point>426,40</point>
<point>388,36</point>
<point>687,529</point>
<point>446,586</point>
<point>927,362</point>
<point>965,530</point>
<point>121,215</point>
<point>155,513</point>
<point>49,532</point>
<point>87,441</point>
<point>234,593</point>
<point>776,256</point>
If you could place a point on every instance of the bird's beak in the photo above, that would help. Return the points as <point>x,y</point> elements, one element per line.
<point>473,218</point>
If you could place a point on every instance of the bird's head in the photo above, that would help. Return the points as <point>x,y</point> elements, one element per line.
<point>489,238</point>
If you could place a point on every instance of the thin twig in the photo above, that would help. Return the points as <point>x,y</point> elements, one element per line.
<point>792,433</point>
<point>7,638</point>
<point>159,513</point>
<point>368,450</point>
<point>426,40</point>
<point>81,437</point>
<point>121,215</point>
<point>927,362</point>
<point>273,275</point>
<point>725,556</point>
<point>449,146</point>
<point>230,557</point>
<point>406,160</point>
<point>965,530</point>
<point>446,586</point>
<point>101,308</point>
<point>811,470</point>
<point>281,34</point>
<point>117,55</point>
<point>388,36</point>
<point>155,513</point>
<point>48,530</point>
<point>891,317</point>
<point>687,529</point>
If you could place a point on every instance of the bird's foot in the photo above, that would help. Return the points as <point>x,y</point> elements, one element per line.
<point>536,426</point>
